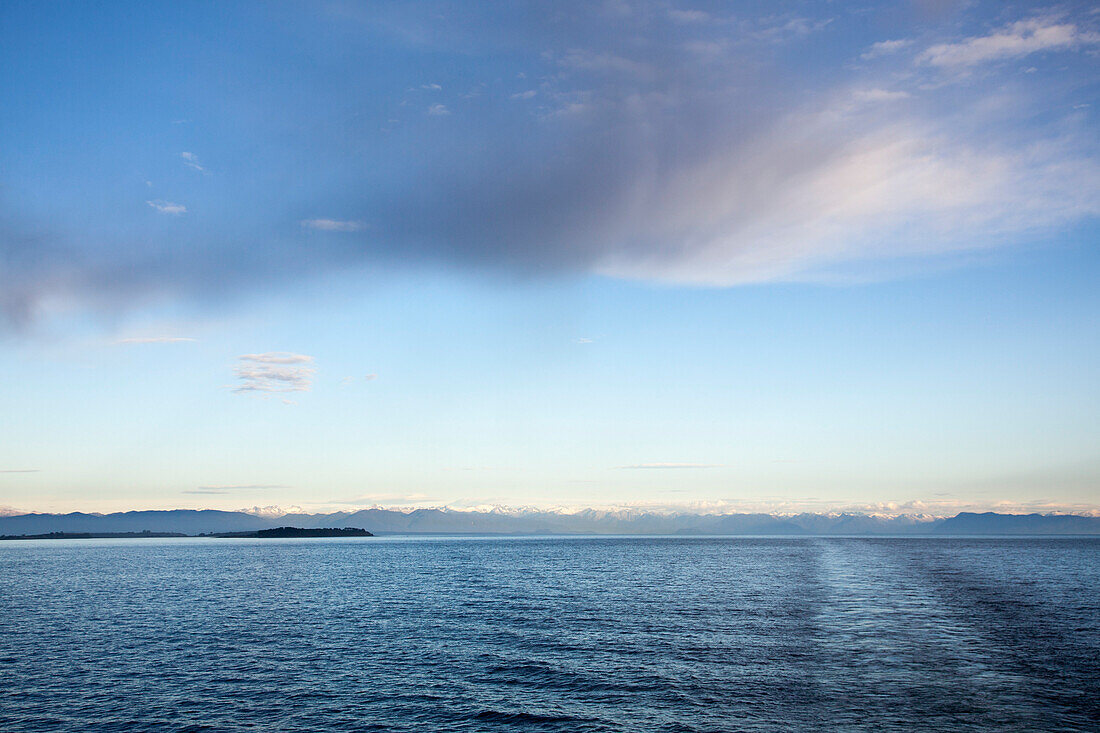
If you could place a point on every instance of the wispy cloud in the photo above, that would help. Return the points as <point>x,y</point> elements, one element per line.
<point>688,16</point>
<point>370,377</point>
<point>191,161</point>
<point>155,340</point>
<point>885,48</point>
<point>431,87</point>
<point>19,470</point>
<point>529,94</point>
<point>273,372</point>
<point>871,96</point>
<point>168,207</point>
<point>278,357</point>
<point>670,465</point>
<point>438,110</point>
<point>1012,41</point>
<point>332,225</point>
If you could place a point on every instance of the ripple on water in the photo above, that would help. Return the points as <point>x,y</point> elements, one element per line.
<point>545,634</point>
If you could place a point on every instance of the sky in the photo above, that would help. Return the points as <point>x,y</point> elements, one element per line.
<point>758,256</point>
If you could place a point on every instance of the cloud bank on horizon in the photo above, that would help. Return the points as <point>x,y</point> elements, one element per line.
<point>693,143</point>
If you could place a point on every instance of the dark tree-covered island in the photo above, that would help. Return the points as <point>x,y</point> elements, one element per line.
<point>279,532</point>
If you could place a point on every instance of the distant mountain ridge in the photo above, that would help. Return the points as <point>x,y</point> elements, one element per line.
<point>589,521</point>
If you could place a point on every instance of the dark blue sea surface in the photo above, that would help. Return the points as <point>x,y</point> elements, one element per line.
<point>550,634</point>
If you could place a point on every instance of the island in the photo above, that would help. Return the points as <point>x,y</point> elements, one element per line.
<point>283,532</point>
<point>91,535</point>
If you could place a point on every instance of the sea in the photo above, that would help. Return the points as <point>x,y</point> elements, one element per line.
<point>672,634</point>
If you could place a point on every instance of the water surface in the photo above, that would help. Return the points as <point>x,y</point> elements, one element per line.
<point>550,634</point>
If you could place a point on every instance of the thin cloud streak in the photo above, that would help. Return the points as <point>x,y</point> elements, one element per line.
<point>332,225</point>
<point>168,207</point>
<point>191,161</point>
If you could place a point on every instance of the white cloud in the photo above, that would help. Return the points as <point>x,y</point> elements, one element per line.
<point>19,470</point>
<point>277,357</point>
<point>438,110</point>
<point>840,185</point>
<point>191,161</point>
<point>332,225</point>
<point>155,340</point>
<point>272,511</point>
<point>274,372</point>
<point>370,377</point>
<point>167,207</point>
<point>883,48</point>
<point>1013,41</point>
<point>530,93</point>
<point>431,87</point>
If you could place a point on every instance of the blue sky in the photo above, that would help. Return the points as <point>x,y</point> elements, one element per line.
<point>718,256</point>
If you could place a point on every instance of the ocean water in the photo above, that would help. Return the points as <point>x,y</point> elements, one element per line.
<point>550,634</point>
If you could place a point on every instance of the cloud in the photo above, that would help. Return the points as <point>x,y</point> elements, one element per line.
<point>688,16</point>
<point>167,207</point>
<point>19,470</point>
<point>191,161</point>
<point>370,377</point>
<point>670,465</point>
<point>438,110</point>
<point>274,372</point>
<point>431,87</point>
<point>272,511</point>
<point>278,357</point>
<point>155,340</point>
<point>582,340</point>
<point>884,48</point>
<point>784,29</point>
<point>878,95</point>
<point>1013,41</point>
<point>529,94</point>
<point>645,161</point>
<point>332,225</point>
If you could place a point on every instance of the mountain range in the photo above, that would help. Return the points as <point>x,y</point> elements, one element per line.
<point>589,521</point>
